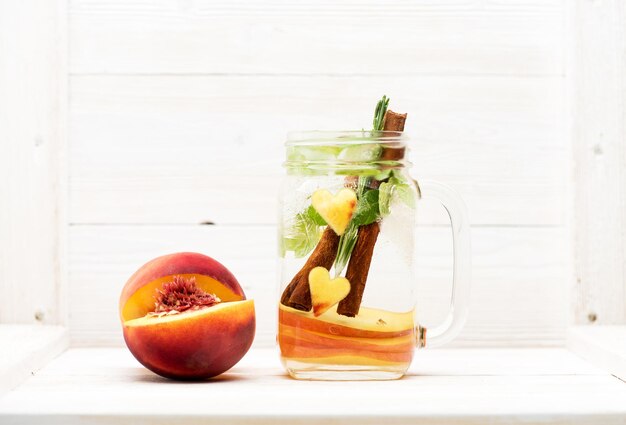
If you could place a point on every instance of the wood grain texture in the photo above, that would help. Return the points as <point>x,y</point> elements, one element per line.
<point>603,346</point>
<point>518,278</point>
<point>179,111</point>
<point>478,386</point>
<point>194,149</point>
<point>598,99</point>
<point>32,143</point>
<point>26,349</point>
<point>257,37</point>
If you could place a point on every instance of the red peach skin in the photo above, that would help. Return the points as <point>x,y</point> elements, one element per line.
<point>193,345</point>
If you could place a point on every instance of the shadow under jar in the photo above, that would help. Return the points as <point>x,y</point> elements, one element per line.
<point>347,237</point>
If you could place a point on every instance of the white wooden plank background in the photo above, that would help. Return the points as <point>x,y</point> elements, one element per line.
<point>33,85</point>
<point>179,111</point>
<point>518,292</point>
<point>185,149</point>
<point>598,132</point>
<point>329,37</point>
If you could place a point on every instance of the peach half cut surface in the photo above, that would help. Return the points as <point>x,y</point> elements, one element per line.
<point>186,326</point>
<point>336,210</point>
<point>326,292</point>
<point>137,298</point>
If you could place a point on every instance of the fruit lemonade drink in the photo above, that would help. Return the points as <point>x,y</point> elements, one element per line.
<point>328,318</point>
<point>322,324</point>
<point>343,226</point>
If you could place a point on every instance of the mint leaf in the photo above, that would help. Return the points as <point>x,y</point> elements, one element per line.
<point>314,216</point>
<point>395,186</point>
<point>302,236</point>
<point>367,209</point>
<point>406,195</point>
<point>383,175</point>
<point>384,198</point>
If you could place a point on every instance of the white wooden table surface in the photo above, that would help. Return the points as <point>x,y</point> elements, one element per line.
<point>469,386</point>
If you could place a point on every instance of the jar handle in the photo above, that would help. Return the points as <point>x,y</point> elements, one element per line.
<point>459,300</point>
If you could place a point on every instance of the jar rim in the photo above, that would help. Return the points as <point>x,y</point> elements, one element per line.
<point>340,137</point>
<point>345,151</point>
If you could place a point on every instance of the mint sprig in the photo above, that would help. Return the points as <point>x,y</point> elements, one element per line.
<point>305,231</point>
<point>312,214</point>
<point>367,210</point>
<point>302,235</point>
<point>395,186</point>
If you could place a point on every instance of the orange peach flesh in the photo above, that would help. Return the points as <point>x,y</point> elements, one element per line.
<point>142,301</point>
<point>377,337</point>
<point>195,344</point>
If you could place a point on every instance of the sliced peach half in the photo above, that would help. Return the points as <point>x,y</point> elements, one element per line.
<point>296,349</point>
<point>185,316</point>
<point>394,345</point>
<point>370,323</point>
<point>372,337</point>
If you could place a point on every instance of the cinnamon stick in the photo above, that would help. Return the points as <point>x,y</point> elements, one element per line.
<point>358,268</point>
<point>393,122</point>
<point>297,294</point>
<point>361,257</point>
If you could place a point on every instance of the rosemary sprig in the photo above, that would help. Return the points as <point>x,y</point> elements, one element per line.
<point>348,239</point>
<point>379,114</point>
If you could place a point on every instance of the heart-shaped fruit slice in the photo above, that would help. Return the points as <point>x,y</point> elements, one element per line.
<point>336,209</point>
<point>326,292</point>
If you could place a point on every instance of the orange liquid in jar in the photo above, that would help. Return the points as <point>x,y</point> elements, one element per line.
<point>375,341</point>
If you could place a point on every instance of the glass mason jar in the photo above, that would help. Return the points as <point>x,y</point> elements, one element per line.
<point>347,309</point>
